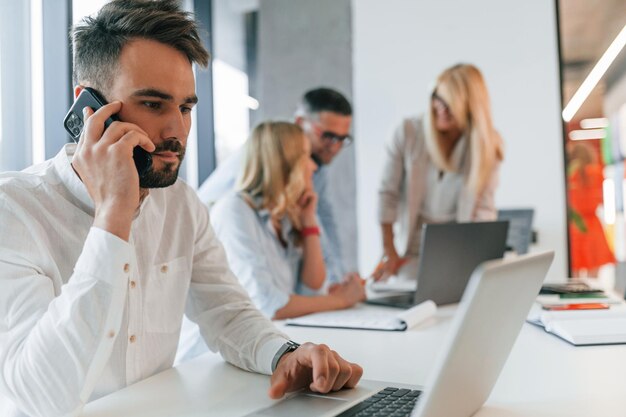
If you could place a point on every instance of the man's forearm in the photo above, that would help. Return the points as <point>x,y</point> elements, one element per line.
<point>58,346</point>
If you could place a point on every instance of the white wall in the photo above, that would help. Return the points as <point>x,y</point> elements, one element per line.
<point>399,47</point>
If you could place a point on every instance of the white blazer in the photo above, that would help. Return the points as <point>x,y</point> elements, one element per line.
<point>403,185</point>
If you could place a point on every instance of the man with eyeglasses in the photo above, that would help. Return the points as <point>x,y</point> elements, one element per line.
<point>325,115</point>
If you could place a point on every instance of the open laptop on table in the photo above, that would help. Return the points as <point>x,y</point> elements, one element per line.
<point>482,334</point>
<point>449,253</point>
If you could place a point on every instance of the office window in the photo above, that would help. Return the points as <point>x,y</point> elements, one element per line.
<point>15,86</point>
<point>37,82</point>
<point>1,105</point>
<point>231,66</point>
<point>232,104</point>
<point>82,8</point>
<point>593,61</point>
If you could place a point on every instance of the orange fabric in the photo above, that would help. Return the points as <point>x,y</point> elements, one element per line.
<point>588,249</point>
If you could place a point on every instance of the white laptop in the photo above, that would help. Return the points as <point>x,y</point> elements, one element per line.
<point>490,315</point>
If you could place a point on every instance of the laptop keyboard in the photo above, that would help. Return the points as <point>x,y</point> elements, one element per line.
<point>390,402</point>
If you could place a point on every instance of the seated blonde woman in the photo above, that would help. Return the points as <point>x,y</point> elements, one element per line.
<point>270,232</point>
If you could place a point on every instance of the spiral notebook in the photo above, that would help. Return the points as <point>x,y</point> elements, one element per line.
<point>367,319</point>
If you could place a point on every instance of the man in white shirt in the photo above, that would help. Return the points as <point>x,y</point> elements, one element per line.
<point>98,265</point>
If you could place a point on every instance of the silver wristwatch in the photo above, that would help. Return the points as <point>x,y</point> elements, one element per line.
<point>290,346</point>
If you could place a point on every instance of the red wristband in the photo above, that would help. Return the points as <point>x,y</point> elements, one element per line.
<point>310,231</point>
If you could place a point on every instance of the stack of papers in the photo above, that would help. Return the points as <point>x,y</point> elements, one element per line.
<point>367,319</point>
<point>580,328</point>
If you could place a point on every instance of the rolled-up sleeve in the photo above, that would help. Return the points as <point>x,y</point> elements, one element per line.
<point>228,320</point>
<point>55,341</point>
<point>390,190</point>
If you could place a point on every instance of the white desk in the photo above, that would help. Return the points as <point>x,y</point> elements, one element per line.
<point>544,376</point>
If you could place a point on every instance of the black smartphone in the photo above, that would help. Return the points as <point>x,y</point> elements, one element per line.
<point>74,124</point>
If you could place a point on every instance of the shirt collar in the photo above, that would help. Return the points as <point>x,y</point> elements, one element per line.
<point>63,165</point>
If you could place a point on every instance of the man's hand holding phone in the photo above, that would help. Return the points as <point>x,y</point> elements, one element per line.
<point>104,162</point>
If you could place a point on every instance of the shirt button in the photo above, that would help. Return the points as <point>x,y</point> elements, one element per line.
<point>111,334</point>
<point>164,268</point>
<point>133,284</point>
<point>132,339</point>
<point>126,268</point>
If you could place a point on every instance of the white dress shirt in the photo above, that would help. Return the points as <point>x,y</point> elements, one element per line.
<point>269,271</point>
<point>84,313</point>
<point>441,197</point>
<point>444,188</point>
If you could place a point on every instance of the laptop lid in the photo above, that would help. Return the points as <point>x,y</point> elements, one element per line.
<point>483,332</point>
<point>449,254</point>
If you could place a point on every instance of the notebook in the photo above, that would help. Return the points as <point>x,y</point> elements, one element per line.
<point>358,318</point>
<point>584,328</point>
<point>485,325</point>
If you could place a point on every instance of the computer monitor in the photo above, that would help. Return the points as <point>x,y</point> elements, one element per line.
<point>520,228</point>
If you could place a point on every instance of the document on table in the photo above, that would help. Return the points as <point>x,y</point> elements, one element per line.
<point>580,328</point>
<point>367,319</point>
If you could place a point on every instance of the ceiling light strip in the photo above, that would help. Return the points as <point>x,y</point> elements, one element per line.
<point>587,134</point>
<point>594,76</point>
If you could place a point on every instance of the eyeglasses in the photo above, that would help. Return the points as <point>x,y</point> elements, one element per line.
<point>332,138</point>
<point>439,101</point>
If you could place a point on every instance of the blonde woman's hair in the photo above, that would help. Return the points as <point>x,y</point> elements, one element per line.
<point>274,168</point>
<point>463,89</point>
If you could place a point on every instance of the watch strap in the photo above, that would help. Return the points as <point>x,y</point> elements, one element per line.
<point>289,346</point>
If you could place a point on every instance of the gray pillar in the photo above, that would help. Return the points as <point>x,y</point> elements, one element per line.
<point>304,44</point>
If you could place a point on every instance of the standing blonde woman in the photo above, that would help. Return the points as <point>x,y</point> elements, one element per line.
<point>440,167</point>
<point>269,227</point>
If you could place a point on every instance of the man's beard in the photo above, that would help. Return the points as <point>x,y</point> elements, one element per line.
<point>167,175</point>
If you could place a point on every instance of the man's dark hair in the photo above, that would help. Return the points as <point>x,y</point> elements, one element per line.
<point>98,41</point>
<point>324,99</point>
